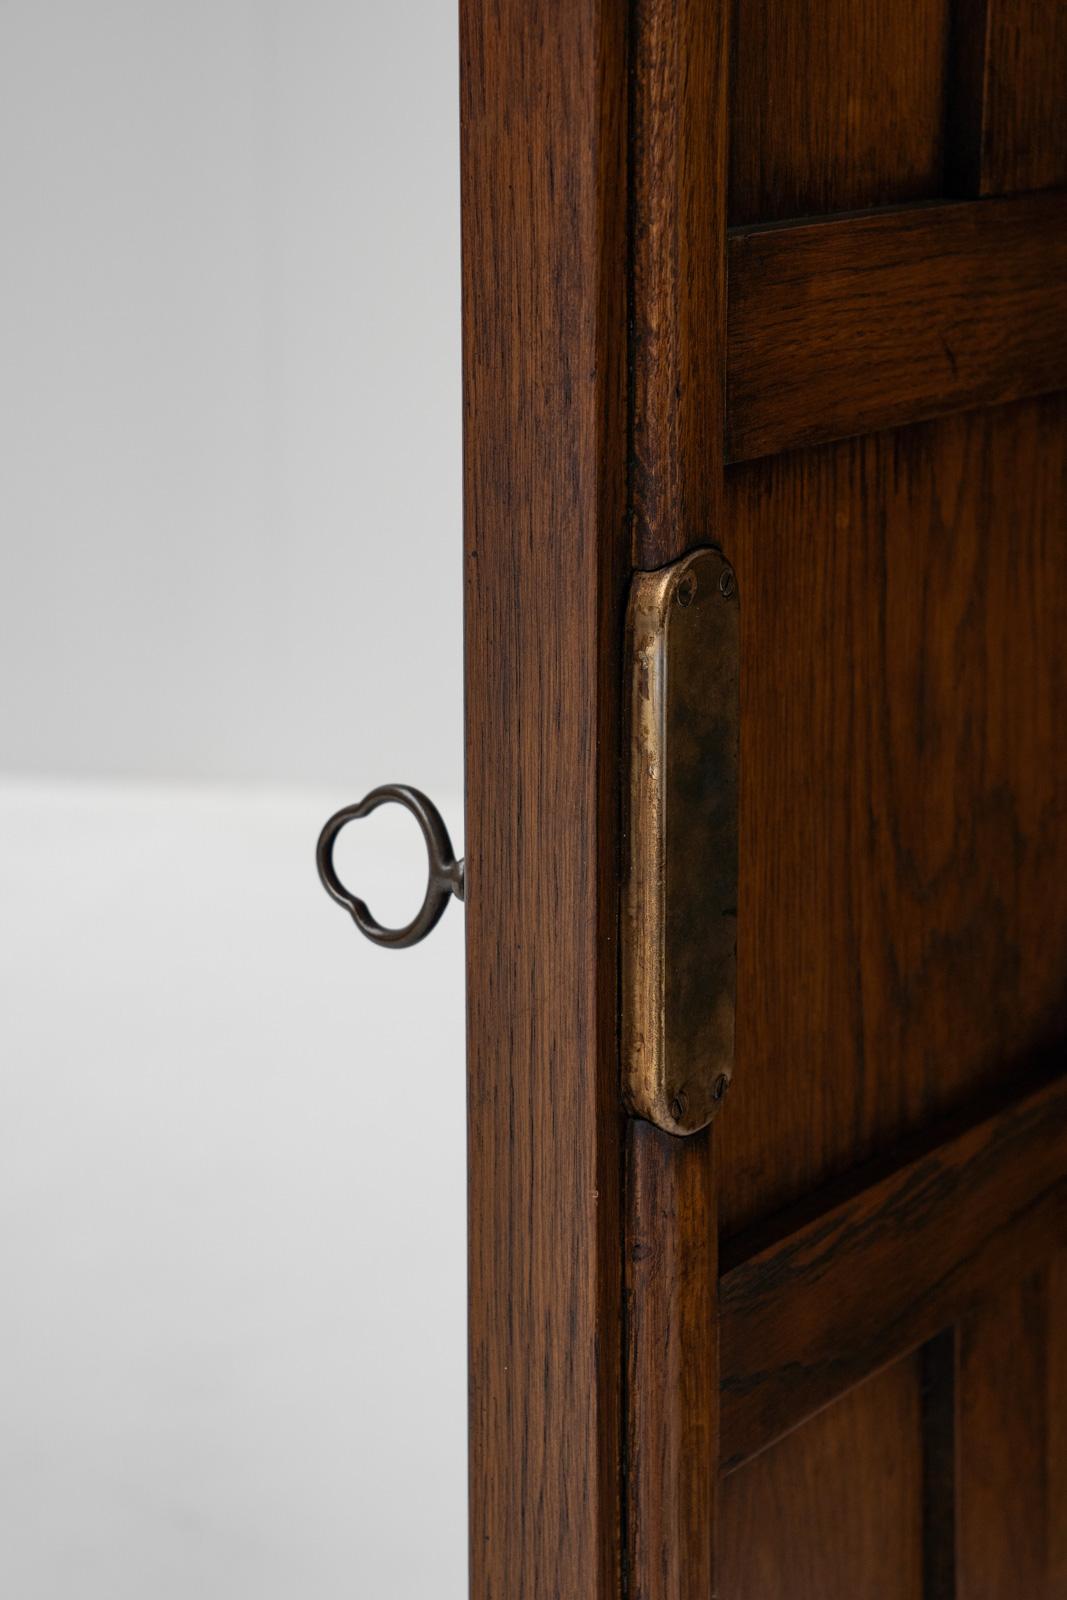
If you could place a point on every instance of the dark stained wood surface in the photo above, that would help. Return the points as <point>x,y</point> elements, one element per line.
<point>903,842</point>
<point>678,222</point>
<point>543,106</point>
<point>857,1286</point>
<point>833,1511</point>
<point>1012,1436</point>
<point>840,327</point>
<point>1008,96</point>
<point>678,177</point>
<point>835,104</point>
<point>903,893</point>
<point>940,1470</point>
<point>672,1437</point>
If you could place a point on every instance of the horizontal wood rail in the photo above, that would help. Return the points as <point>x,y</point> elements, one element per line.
<point>843,326</point>
<point>852,1289</point>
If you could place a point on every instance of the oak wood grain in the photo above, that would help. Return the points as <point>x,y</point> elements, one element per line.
<point>1008,96</point>
<point>678,220</point>
<point>1012,1440</point>
<point>903,840</point>
<point>857,1286</point>
<point>841,327</point>
<point>834,1510</point>
<point>835,104</point>
<point>903,895</point>
<point>544,322</point>
<point>672,1441</point>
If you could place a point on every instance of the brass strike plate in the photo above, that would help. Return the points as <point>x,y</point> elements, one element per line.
<point>679,945</point>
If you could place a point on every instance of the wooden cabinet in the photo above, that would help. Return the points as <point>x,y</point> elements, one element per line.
<point>791,280</point>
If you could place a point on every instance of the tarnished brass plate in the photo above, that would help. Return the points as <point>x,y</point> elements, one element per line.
<point>680,894</point>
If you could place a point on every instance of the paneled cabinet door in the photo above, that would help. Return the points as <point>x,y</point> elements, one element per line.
<point>791,281</point>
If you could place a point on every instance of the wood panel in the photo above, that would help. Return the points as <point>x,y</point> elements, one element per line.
<point>904,856</point>
<point>678,167</point>
<point>835,104</point>
<point>672,1434</point>
<point>940,1467</point>
<point>543,108</point>
<point>835,1509</point>
<point>1008,99</point>
<point>1012,1437</point>
<point>853,1288</point>
<point>677,365</point>
<point>903,848</point>
<point>838,328</point>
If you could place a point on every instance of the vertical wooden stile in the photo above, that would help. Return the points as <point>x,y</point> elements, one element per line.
<point>677,222</point>
<point>543,96</point>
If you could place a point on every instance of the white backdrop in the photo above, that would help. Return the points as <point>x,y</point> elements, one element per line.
<point>230,389</point>
<point>232,1353</point>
